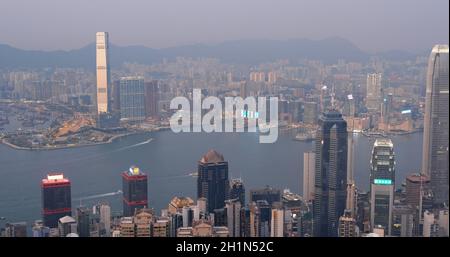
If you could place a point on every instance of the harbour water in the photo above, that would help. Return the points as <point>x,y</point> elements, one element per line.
<point>169,159</point>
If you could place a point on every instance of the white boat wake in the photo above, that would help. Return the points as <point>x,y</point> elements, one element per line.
<point>108,152</point>
<point>118,192</point>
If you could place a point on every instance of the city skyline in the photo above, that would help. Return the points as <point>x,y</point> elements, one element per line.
<point>320,105</point>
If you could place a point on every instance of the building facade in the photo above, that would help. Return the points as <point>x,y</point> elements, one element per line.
<point>212,181</point>
<point>435,137</point>
<point>134,187</point>
<point>56,199</point>
<point>330,174</point>
<point>103,72</point>
<point>382,183</point>
<point>373,92</point>
<point>132,99</point>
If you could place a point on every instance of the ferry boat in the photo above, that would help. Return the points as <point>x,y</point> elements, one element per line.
<point>305,136</point>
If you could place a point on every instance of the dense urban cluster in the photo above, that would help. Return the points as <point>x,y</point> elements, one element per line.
<point>322,102</point>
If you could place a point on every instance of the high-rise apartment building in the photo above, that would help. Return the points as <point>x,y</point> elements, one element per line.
<point>237,190</point>
<point>347,225</point>
<point>233,209</point>
<point>105,218</point>
<point>277,222</point>
<point>83,221</point>
<point>373,92</point>
<point>269,194</point>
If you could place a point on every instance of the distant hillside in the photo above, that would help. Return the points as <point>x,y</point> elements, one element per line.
<point>243,51</point>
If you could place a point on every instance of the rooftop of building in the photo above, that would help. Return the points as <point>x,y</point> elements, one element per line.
<point>181,201</point>
<point>440,49</point>
<point>265,189</point>
<point>212,156</point>
<point>131,78</point>
<point>67,219</point>
<point>386,142</point>
<point>55,178</point>
<point>416,178</point>
<point>134,171</point>
<point>126,220</point>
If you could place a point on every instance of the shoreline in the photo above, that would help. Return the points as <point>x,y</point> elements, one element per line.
<point>386,134</point>
<point>111,140</point>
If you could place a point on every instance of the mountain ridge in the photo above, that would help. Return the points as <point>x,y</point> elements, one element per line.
<point>250,52</point>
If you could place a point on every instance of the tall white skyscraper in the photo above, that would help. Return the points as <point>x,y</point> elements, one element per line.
<point>103,74</point>
<point>373,93</point>
<point>435,137</point>
<point>308,175</point>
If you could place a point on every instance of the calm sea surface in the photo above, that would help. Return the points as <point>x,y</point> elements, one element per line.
<point>168,160</point>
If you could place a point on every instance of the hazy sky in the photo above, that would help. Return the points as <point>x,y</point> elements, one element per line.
<point>373,25</point>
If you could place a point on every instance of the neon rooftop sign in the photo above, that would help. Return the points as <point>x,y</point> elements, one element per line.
<point>382,181</point>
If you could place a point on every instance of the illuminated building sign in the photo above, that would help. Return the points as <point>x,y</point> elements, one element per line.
<point>134,170</point>
<point>249,114</point>
<point>382,181</point>
<point>55,177</point>
<point>406,111</point>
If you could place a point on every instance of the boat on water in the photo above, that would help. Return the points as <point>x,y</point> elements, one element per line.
<point>304,137</point>
<point>373,134</point>
<point>193,174</point>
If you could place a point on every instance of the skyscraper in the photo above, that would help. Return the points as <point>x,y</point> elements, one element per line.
<point>347,225</point>
<point>212,182</point>
<point>269,194</point>
<point>66,226</point>
<point>277,222</point>
<point>265,215</point>
<point>435,137</point>
<point>237,190</point>
<point>373,92</point>
<point>382,181</point>
<point>83,221</point>
<point>330,174</point>
<point>132,98</point>
<point>56,199</point>
<point>151,99</point>
<point>350,106</point>
<point>16,229</point>
<point>254,219</point>
<point>402,221</point>
<point>134,183</point>
<point>416,184</point>
<point>308,176</point>
<point>39,230</point>
<point>245,222</point>
<point>351,188</point>
<point>234,217</point>
<point>105,218</point>
<point>310,112</point>
<point>103,73</point>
